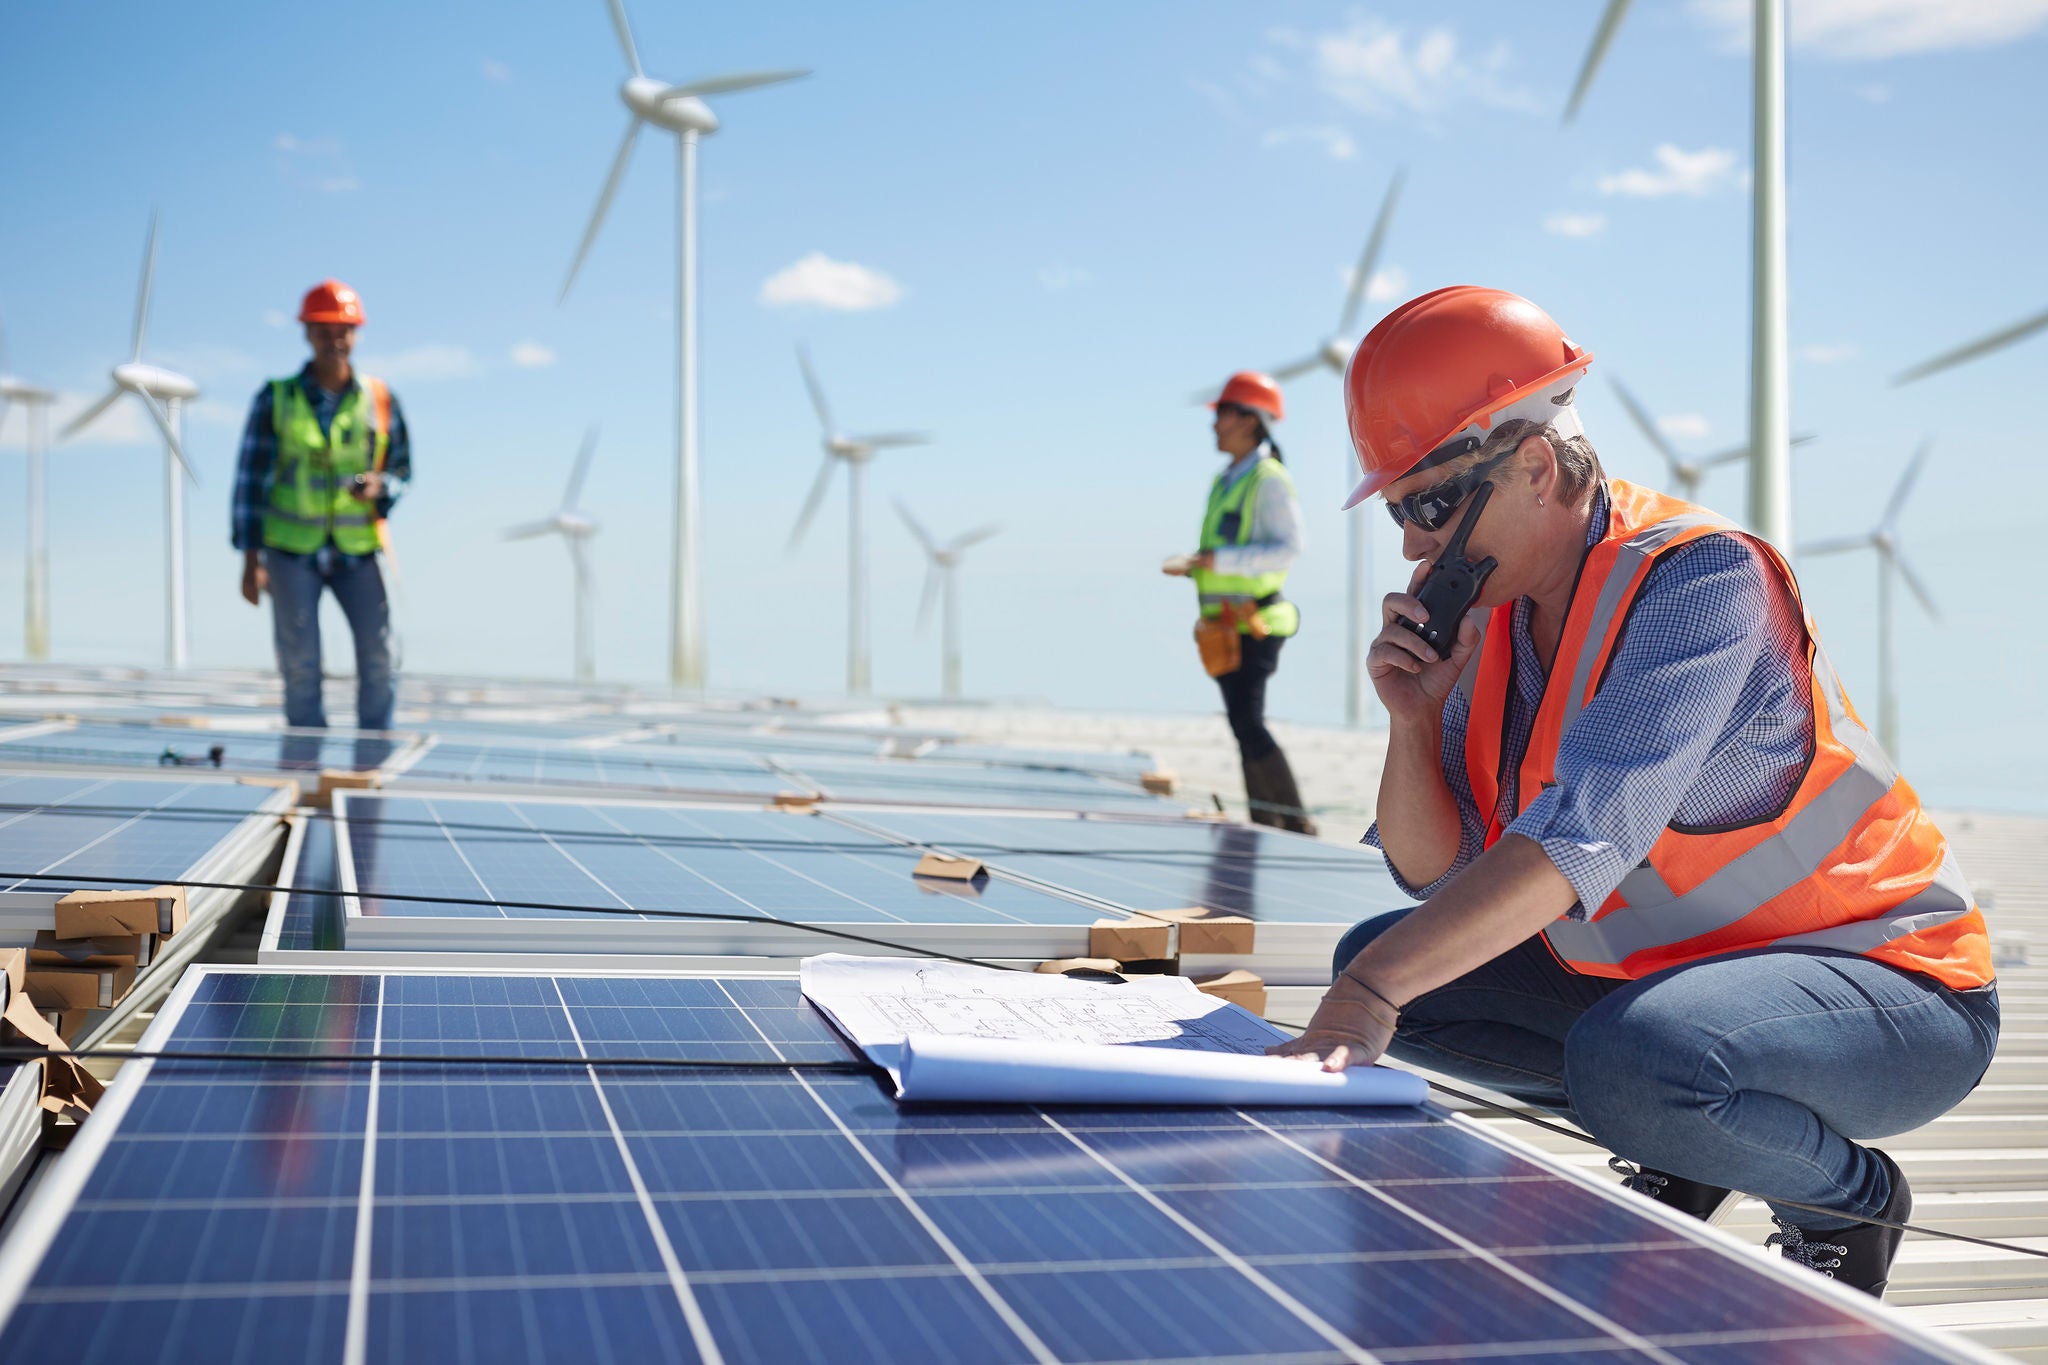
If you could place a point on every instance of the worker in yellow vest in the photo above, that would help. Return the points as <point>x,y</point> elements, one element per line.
<point>1251,536</point>
<point>324,457</point>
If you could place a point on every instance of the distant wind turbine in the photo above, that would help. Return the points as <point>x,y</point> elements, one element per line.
<point>680,110</point>
<point>575,528</point>
<point>854,452</point>
<point>1891,558</point>
<point>162,394</point>
<point>35,407</point>
<point>941,585</point>
<point>1686,475</point>
<point>1997,341</point>
<point>1770,373</point>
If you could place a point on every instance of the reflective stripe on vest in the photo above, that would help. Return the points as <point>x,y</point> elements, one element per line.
<point>310,500</point>
<point>1852,862</point>
<point>1215,589</point>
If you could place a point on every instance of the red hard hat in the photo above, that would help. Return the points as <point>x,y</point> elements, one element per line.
<point>1446,366</point>
<point>1250,389</point>
<point>332,301</point>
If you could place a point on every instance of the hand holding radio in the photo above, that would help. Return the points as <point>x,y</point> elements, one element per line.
<point>1426,641</point>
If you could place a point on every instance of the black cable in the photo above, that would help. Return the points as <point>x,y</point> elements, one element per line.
<point>843,1066</point>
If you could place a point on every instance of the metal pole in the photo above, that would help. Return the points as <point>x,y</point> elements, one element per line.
<point>1770,418</point>
<point>174,545</point>
<point>949,679</point>
<point>856,582</point>
<point>1357,599</point>
<point>686,666</point>
<point>1887,696</point>
<point>586,664</point>
<point>38,626</point>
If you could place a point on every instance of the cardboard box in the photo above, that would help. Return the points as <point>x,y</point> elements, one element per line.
<point>112,950</point>
<point>796,801</point>
<point>1205,931</point>
<point>78,988</point>
<point>1160,781</point>
<point>282,783</point>
<point>333,780</point>
<point>135,910</point>
<point>1130,940</point>
<point>948,867</point>
<point>68,1023</point>
<point>1238,986</point>
<point>1068,964</point>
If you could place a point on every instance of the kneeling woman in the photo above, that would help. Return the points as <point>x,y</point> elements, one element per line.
<point>1673,889</point>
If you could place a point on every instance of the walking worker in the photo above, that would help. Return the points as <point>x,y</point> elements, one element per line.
<point>1251,536</point>
<point>324,458</point>
<point>1672,889</point>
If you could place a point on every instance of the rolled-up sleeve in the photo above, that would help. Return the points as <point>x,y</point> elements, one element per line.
<point>1471,827</point>
<point>1630,758</point>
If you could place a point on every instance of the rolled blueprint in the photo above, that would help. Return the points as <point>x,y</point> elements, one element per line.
<point>1000,1071</point>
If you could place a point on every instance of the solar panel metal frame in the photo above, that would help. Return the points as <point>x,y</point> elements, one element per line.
<point>1116,797</point>
<point>696,945</point>
<point>404,743</point>
<point>403,773</point>
<point>34,1234</point>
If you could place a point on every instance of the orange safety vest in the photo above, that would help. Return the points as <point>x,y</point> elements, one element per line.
<point>1851,863</point>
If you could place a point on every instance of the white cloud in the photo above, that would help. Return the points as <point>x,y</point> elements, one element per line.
<point>1864,30</point>
<point>1380,68</point>
<point>276,317</point>
<point>531,355</point>
<point>1575,224</point>
<point>1829,352</point>
<point>1333,141</point>
<point>1686,426</point>
<point>424,364</point>
<point>496,71</point>
<point>818,279</point>
<point>1059,277</point>
<point>1677,171</point>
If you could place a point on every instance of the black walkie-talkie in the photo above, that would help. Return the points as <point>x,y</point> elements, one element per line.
<point>1452,583</point>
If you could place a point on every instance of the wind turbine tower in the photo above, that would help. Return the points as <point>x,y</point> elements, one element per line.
<point>576,529</point>
<point>941,581</point>
<point>162,394</point>
<point>1891,560</point>
<point>34,403</point>
<point>854,452</point>
<point>679,109</point>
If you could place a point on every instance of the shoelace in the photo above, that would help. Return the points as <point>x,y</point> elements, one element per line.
<point>1638,1178</point>
<point>1792,1237</point>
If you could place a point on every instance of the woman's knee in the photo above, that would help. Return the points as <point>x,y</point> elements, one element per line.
<point>1362,933</point>
<point>1629,1065</point>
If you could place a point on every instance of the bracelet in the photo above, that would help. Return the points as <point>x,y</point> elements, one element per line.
<point>1346,974</point>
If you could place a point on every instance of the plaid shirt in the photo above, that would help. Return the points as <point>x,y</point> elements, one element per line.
<point>259,456</point>
<point>1705,717</point>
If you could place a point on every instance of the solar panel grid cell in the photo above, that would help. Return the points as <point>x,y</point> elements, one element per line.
<point>145,746</point>
<point>90,828</point>
<point>629,768</point>
<point>524,1214</point>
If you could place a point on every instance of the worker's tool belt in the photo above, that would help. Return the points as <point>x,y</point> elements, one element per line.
<point>1220,638</point>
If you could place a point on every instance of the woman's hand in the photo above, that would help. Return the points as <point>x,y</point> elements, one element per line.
<point>1352,1027</point>
<point>1408,676</point>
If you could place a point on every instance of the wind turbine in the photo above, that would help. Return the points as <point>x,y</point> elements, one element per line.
<point>1770,374</point>
<point>941,582</point>
<point>1333,355</point>
<point>162,394</point>
<point>35,404</point>
<point>681,110</point>
<point>1891,558</point>
<point>575,528</point>
<point>1997,341</point>
<point>854,452</point>
<point>1686,475</point>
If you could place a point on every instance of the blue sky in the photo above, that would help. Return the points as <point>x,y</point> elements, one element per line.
<point>1051,222</point>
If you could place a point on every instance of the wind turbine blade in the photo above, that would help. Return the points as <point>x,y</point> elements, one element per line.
<point>3,412</point>
<point>2019,331</point>
<point>625,32</point>
<point>163,424</point>
<point>142,294</point>
<point>1641,416</point>
<point>604,200</point>
<point>1370,257</point>
<point>726,85</point>
<point>582,467</point>
<point>1736,454</point>
<point>930,598</point>
<point>527,530</point>
<point>817,390</point>
<point>1610,23</point>
<point>889,440</point>
<point>923,536</point>
<point>976,536</point>
<point>1906,482</point>
<point>1294,369</point>
<point>1919,588</point>
<point>1841,545</point>
<point>90,415</point>
<point>817,496</point>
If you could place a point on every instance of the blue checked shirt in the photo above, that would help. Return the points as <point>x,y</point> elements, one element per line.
<point>1705,718</point>
<point>259,456</point>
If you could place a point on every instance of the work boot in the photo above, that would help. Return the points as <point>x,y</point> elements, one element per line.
<point>1859,1256</point>
<point>1270,792</point>
<point>1689,1197</point>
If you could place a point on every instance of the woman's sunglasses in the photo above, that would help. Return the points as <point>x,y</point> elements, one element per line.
<point>1431,508</point>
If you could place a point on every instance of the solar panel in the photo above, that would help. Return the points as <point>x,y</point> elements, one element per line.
<point>1116,764</point>
<point>916,782</point>
<point>564,767</point>
<point>91,744</point>
<point>298,922</point>
<point>634,860</point>
<point>253,1212</point>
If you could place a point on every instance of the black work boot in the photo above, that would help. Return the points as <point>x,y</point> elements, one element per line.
<point>1272,796</point>
<point>1689,1197</point>
<point>1859,1256</point>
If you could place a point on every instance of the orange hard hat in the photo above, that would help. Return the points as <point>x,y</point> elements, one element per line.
<point>1250,389</point>
<point>1441,369</point>
<point>332,301</point>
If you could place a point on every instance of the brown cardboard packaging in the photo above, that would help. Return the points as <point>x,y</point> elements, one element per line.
<point>333,780</point>
<point>946,866</point>
<point>78,988</point>
<point>1238,986</point>
<point>136,910</point>
<point>797,802</point>
<point>68,1088</point>
<point>1130,940</point>
<point>112,950</point>
<point>1208,931</point>
<point>1160,781</point>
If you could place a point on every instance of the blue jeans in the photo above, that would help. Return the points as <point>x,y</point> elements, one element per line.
<point>1752,1071</point>
<point>358,584</point>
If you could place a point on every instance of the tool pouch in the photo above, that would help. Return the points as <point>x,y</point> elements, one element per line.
<point>1221,647</point>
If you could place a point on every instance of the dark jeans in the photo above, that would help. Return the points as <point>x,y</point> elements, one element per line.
<point>296,582</point>
<point>1244,696</point>
<point>1751,1071</point>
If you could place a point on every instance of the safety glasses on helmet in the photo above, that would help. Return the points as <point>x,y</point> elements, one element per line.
<point>1431,508</point>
